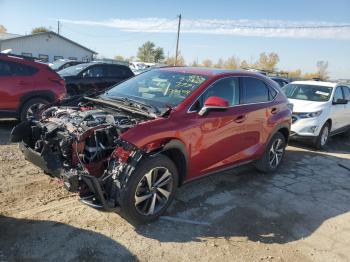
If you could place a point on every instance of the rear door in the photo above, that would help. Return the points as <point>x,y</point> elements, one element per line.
<point>15,80</point>
<point>257,101</point>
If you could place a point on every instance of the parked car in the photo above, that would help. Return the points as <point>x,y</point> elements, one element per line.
<point>280,81</point>
<point>94,77</point>
<point>61,64</point>
<point>26,86</point>
<point>321,109</point>
<point>134,145</point>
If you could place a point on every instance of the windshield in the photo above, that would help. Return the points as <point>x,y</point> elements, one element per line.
<point>73,70</point>
<point>308,92</point>
<point>158,87</point>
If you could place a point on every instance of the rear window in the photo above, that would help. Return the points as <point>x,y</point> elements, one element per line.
<point>254,91</point>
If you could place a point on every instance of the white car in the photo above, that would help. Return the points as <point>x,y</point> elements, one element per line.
<point>320,109</point>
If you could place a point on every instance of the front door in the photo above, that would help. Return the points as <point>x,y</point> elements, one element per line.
<point>338,110</point>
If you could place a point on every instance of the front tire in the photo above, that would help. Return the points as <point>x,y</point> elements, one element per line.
<point>323,136</point>
<point>273,155</point>
<point>149,191</point>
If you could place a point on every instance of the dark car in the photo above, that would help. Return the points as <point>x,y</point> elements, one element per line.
<point>280,81</point>
<point>130,148</point>
<point>94,77</point>
<point>26,86</point>
<point>61,64</point>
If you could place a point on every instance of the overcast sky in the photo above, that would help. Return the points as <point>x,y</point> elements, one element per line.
<point>301,32</point>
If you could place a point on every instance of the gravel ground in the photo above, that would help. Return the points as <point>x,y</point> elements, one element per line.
<point>300,213</point>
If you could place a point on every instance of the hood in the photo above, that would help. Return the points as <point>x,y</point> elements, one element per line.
<point>304,106</point>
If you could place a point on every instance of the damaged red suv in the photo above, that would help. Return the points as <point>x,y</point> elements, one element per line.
<point>130,148</point>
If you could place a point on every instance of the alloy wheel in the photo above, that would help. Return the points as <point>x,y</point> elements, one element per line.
<point>276,153</point>
<point>34,110</point>
<point>153,191</point>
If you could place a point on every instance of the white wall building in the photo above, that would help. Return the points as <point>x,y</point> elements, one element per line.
<point>47,46</point>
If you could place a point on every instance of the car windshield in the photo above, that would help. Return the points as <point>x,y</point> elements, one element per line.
<point>157,87</point>
<point>308,92</point>
<point>73,70</point>
<point>55,65</point>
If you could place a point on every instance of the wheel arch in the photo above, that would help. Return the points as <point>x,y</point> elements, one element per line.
<point>44,94</point>
<point>282,128</point>
<point>176,151</point>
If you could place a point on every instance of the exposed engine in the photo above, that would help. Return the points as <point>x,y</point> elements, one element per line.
<point>69,137</point>
<point>82,146</point>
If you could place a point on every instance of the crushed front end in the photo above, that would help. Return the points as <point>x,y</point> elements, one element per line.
<point>82,146</point>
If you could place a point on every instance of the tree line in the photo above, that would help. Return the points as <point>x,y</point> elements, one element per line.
<point>149,52</point>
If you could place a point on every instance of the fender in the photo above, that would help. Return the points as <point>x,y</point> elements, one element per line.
<point>165,148</point>
<point>178,145</point>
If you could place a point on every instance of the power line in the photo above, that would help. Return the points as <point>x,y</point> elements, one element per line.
<point>232,26</point>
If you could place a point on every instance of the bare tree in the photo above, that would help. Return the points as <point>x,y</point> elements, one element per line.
<point>322,69</point>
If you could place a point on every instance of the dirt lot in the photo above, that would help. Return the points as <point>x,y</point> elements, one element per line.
<point>302,213</point>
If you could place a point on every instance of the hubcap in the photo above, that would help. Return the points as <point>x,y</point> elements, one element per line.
<point>34,110</point>
<point>153,191</point>
<point>324,136</point>
<point>276,153</point>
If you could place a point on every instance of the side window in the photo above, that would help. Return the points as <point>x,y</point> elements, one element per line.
<point>5,69</point>
<point>255,91</point>
<point>226,88</point>
<point>346,91</point>
<point>8,68</point>
<point>338,94</point>
<point>94,71</point>
<point>117,71</point>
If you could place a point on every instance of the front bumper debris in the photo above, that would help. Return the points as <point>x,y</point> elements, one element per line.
<point>50,163</point>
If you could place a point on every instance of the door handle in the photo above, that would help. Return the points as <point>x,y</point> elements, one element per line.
<point>240,119</point>
<point>274,110</point>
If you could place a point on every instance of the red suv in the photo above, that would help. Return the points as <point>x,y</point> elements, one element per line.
<point>26,86</point>
<point>130,148</point>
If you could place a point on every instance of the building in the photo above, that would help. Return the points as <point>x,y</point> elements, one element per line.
<point>47,46</point>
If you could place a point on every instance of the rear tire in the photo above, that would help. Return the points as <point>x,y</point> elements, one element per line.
<point>153,186</point>
<point>273,155</point>
<point>32,108</point>
<point>322,139</point>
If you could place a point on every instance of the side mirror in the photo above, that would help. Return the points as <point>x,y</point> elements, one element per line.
<point>340,101</point>
<point>213,103</point>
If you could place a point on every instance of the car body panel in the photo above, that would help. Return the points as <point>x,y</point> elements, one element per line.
<point>16,89</point>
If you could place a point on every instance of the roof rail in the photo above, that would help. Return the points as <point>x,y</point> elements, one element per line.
<point>22,56</point>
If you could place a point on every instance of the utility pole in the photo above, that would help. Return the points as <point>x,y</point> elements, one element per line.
<point>177,40</point>
<point>58,27</point>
